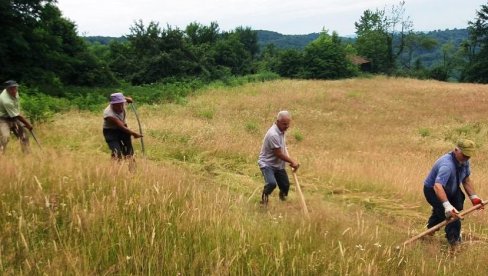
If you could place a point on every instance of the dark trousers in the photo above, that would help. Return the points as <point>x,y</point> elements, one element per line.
<point>273,177</point>
<point>453,229</point>
<point>119,142</point>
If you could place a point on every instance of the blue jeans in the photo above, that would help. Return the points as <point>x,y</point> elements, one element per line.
<point>273,177</point>
<point>453,229</point>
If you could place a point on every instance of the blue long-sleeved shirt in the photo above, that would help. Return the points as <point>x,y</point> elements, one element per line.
<point>449,172</point>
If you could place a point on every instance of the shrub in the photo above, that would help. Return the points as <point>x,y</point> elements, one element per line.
<point>39,107</point>
<point>298,135</point>
<point>252,127</point>
<point>424,132</point>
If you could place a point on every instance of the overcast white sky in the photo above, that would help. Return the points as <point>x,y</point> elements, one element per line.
<point>114,17</point>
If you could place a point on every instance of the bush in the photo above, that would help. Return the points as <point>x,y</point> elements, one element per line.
<point>424,132</point>
<point>252,127</point>
<point>170,90</point>
<point>298,135</point>
<point>38,107</point>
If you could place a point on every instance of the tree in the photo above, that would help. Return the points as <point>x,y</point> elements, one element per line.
<point>231,53</point>
<point>290,63</point>
<point>40,47</point>
<point>414,43</point>
<point>269,58</point>
<point>325,58</point>
<point>197,33</point>
<point>382,36</point>
<point>476,48</point>
<point>153,54</point>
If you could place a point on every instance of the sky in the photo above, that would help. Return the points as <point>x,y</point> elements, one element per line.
<point>115,17</point>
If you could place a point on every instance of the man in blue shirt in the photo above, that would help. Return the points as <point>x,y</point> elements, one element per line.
<point>442,188</point>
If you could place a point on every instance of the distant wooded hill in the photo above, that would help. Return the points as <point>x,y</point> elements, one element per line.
<point>282,41</point>
<point>428,58</point>
<point>456,36</point>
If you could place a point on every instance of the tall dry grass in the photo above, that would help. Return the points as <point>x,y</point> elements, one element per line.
<point>191,207</point>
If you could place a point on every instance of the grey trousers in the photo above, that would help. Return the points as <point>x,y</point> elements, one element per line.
<point>14,126</point>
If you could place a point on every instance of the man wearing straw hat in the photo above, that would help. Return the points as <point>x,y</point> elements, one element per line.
<point>443,192</point>
<point>273,156</point>
<point>115,130</point>
<point>10,118</point>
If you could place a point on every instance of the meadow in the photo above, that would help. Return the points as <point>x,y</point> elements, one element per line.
<point>192,206</point>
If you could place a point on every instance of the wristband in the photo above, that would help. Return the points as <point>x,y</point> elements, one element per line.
<point>473,196</point>
<point>446,204</point>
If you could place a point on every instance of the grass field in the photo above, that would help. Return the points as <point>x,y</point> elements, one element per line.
<point>192,206</point>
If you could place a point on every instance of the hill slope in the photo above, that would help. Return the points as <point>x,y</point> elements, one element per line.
<point>191,207</point>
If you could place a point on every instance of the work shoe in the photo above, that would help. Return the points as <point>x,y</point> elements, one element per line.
<point>282,196</point>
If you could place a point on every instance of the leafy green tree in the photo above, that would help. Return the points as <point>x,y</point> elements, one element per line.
<point>269,58</point>
<point>231,53</point>
<point>197,33</point>
<point>290,63</point>
<point>326,58</point>
<point>202,40</point>
<point>382,36</point>
<point>39,47</point>
<point>415,43</point>
<point>249,38</point>
<point>476,48</point>
<point>153,54</point>
<point>373,40</point>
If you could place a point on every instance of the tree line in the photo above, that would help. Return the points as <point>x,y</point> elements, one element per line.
<point>41,48</point>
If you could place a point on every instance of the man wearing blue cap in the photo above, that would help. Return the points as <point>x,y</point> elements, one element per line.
<point>443,192</point>
<point>10,118</point>
<point>115,130</point>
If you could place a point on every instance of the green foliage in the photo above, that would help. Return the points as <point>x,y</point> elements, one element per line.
<point>252,127</point>
<point>153,54</point>
<point>477,70</point>
<point>207,112</point>
<point>478,31</point>
<point>41,48</point>
<point>94,99</point>
<point>379,40</point>
<point>439,73</point>
<point>325,58</point>
<point>476,131</point>
<point>298,135</point>
<point>476,48</point>
<point>39,107</point>
<point>297,42</point>
<point>353,94</point>
<point>424,132</point>
<point>268,60</point>
<point>373,40</point>
<point>290,63</point>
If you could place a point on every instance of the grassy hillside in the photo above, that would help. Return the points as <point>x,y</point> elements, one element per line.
<point>191,208</point>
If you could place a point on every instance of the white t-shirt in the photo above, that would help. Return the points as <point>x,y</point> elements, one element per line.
<point>108,112</point>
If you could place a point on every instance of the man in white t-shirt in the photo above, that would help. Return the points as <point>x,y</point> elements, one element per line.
<point>273,157</point>
<point>115,130</point>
